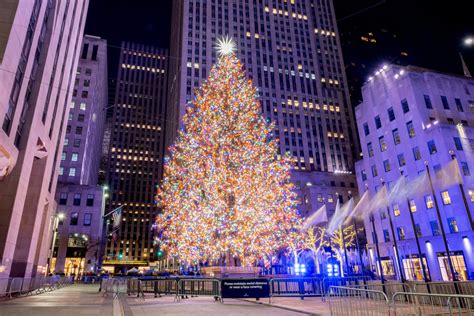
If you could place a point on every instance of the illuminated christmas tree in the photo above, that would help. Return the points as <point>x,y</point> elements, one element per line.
<point>225,192</point>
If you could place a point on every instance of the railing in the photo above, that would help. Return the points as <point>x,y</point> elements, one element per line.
<point>432,304</point>
<point>159,287</point>
<point>199,287</point>
<point>389,288</point>
<point>354,301</point>
<point>114,286</point>
<point>11,287</point>
<point>297,287</point>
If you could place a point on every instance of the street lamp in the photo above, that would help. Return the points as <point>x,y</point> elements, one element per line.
<point>469,41</point>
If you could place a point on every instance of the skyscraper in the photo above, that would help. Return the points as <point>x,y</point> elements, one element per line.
<point>135,155</point>
<point>292,52</point>
<point>80,199</point>
<point>414,121</point>
<point>39,48</point>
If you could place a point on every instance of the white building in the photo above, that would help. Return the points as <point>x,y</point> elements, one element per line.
<point>412,118</point>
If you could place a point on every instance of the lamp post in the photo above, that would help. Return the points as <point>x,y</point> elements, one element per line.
<point>56,219</point>
<point>103,234</point>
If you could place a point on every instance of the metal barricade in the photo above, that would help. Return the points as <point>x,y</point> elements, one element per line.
<point>432,304</point>
<point>4,282</point>
<point>297,287</point>
<point>25,286</point>
<point>389,288</point>
<point>159,287</point>
<point>354,301</point>
<point>199,287</point>
<point>14,287</point>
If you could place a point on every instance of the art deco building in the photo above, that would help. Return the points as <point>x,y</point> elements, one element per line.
<point>291,51</point>
<point>77,247</point>
<point>414,120</point>
<point>135,155</point>
<point>39,49</point>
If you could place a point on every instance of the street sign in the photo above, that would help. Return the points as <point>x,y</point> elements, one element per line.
<point>245,288</point>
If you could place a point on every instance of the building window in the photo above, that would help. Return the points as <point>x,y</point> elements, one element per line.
<point>446,198</point>
<point>74,218</point>
<point>396,136</point>
<point>374,171</point>
<point>391,114</point>
<point>411,129</point>
<point>63,199</point>
<point>72,172</point>
<point>458,104</point>
<point>79,130</point>
<point>73,105</point>
<point>84,94</point>
<point>88,71</point>
<point>80,118</point>
<point>396,210</point>
<point>471,194</point>
<point>434,228</point>
<point>74,156</point>
<point>428,102</point>
<point>83,106</point>
<point>61,171</point>
<point>412,206</point>
<point>330,198</point>
<point>429,201</point>
<point>444,100</point>
<point>471,106</point>
<point>378,123</point>
<point>457,143</point>
<point>382,143</point>
<point>77,142</point>
<point>465,168</point>
<point>66,141</point>
<point>418,230</point>
<point>87,83</point>
<point>77,199</point>
<point>401,160</point>
<point>63,155</point>
<point>405,106</point>
<point>386,235</point>
<point>366,129</point>
<point>416,153</point>
<point>363,175</point>
<point>432,147</point>
<point>401,233</point>
<point>370,149</point>
<point>453,225</point>
<point>90,200</point>
<point>87,219</point>
<point>386,165</point>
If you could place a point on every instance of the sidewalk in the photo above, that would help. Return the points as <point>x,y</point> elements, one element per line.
<point>78,299</point>
<point>310,305</point>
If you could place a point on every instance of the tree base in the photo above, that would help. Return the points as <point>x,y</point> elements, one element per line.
<point>232,272</point>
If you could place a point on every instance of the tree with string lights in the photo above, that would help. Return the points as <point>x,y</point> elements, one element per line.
<point>226,193</point>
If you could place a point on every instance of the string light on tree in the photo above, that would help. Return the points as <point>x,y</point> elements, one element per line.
<point>225,194</point>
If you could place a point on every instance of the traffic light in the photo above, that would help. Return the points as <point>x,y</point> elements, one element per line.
<point>120,256</point>
<point>160,253</point>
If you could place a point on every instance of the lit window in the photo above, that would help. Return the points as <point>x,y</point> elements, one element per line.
<point>446,198</point>
<point>63,155</point>
<point>453,225</point>
<point>435,228</point>
<point>401,233</point>
<point>330,198</point>
<point>74,218</point>
<point>416,153</point>
<point>386,165</point>
<point>411,129</point>
<point>83,106</point>
<point>471,194</point>
<point>396,210</point>
<point>74,156</point>
<point>382,143</point>
<point>374,171</point>
<point>61,172</point>
<point>87,219</point>
<point>401,160</point>
<point>429,201</point>
<point>396,136</point>
<point>66,142</point>
<point>73,104</point>
<point>412,206</point>
<point>370,149</point>
<point>72,172</point>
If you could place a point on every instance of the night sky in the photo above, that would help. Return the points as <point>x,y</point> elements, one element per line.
<point>431,32</point>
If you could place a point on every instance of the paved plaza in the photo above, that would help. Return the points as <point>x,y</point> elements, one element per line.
<point>80,299</point>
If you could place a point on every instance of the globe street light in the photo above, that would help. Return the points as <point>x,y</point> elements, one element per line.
<point>469,41</point>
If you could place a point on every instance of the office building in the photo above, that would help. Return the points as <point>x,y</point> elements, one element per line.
<point>77,246</point>
<point>39,49</point>
<point>412,120</point>
<point>291,51</point>
<point>135,155</point>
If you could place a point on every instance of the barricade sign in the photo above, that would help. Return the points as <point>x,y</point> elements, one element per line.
<point>245,288</point>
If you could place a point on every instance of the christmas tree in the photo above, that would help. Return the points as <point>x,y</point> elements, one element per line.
<point>225,191</point>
